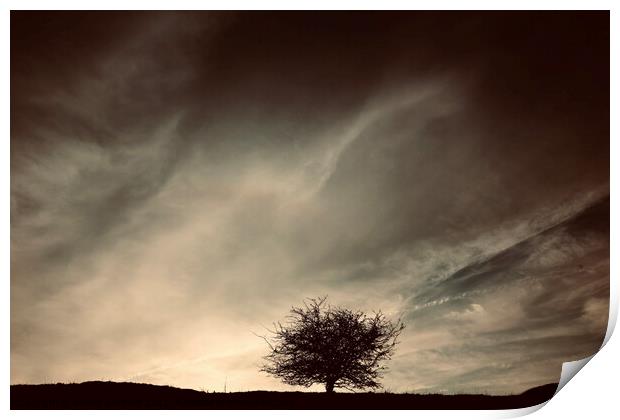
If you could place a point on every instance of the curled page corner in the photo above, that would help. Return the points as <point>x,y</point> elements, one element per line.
<point>570,369</point>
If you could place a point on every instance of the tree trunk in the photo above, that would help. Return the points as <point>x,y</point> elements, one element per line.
<point>329,387</point>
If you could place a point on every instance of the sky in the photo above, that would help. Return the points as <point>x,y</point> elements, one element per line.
<point>180,180</point>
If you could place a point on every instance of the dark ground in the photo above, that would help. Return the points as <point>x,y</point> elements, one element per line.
<point>127,395</point>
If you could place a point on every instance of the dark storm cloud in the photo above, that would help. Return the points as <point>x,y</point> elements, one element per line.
<point>180,179</point>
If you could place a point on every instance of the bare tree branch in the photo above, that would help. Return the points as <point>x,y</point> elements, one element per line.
<point>334,346</point>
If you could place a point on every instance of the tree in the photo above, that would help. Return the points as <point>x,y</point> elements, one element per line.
<point>334,346</point>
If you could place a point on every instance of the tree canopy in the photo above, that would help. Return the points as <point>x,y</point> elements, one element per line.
<point>334,346</point>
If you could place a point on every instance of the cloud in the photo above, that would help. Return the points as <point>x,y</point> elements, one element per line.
<point>182,190</point>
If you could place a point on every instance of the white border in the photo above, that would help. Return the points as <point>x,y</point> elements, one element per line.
<point>593,394</point>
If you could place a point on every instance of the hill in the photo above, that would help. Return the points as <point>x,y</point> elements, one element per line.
<point>127,395</point>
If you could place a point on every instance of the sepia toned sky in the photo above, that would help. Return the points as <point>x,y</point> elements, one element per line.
<point>179,180</point>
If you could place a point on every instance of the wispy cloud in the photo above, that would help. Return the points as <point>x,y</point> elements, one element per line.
<point>180,191</point>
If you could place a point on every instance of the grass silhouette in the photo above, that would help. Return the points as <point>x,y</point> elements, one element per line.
<point>128,395</point>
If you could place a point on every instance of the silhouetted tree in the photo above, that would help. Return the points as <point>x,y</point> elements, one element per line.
<point>334,346</point>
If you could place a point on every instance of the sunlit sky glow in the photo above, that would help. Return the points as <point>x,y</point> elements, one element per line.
<point>179,180</point>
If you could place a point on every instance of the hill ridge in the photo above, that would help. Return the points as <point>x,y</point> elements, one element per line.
<point>132,395</point>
